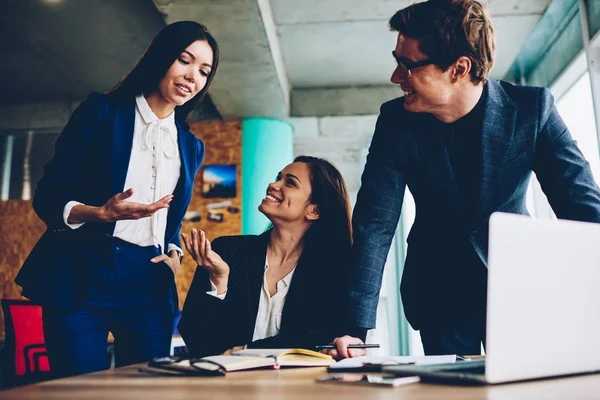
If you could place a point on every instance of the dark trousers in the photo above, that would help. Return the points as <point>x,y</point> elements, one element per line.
<point>128,296</point>
<point>460,339</point>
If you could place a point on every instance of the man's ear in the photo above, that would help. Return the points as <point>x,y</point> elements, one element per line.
<point>313,212</point>
<point>461,68</point>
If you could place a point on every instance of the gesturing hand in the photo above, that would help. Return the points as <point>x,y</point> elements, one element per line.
<point>199,248</point>
<point>117,208</point>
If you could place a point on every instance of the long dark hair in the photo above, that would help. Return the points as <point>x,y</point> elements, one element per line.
<point>333,228</point>
<point>158,58</point>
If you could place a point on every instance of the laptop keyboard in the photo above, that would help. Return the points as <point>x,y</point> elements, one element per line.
<point>476,367</point>
<point>464,367</point>
<point>472,370</point>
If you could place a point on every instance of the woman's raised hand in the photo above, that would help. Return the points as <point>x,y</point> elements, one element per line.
<point>199,248</point>
<point>117,208</point>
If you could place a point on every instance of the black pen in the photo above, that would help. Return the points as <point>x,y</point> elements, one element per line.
<point>351,346</point>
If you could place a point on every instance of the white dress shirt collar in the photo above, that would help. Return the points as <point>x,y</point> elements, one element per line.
<point>158,129</point>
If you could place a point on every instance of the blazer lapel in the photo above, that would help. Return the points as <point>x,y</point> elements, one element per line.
<point>293,298</point>
<point>498,129</point>
<point>255,271</point>
<point>122,142</point>
<point>187,172</point>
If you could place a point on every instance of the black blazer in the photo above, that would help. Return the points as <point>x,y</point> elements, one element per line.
<point>522,132</point>
<point>314,312</point>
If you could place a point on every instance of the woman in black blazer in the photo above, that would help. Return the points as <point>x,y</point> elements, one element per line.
<point>284,288</point>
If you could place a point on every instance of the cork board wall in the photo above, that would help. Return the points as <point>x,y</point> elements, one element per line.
<point>223,147</point>
<point>21,228</point>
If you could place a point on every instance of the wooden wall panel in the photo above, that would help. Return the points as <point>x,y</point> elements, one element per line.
<point>223,144</point>
<point>20,229</point>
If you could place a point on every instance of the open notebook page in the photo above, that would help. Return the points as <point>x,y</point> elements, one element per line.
<point>236,363</point>
<point>290,357</point>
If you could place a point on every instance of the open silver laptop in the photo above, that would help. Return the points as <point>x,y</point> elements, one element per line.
<point>543,308</point>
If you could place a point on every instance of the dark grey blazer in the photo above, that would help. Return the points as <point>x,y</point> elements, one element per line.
<point>522,132</point>
<point>315,310</point>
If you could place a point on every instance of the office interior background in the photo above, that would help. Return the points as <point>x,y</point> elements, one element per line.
<point>295,77</point>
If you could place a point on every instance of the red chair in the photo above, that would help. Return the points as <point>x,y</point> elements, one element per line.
<point>24,356</point>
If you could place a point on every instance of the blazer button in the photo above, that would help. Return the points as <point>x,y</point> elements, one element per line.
<point>473,234</point>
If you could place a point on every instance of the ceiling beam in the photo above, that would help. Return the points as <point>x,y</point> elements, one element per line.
<point>251,80</point>
<point>358,100</point>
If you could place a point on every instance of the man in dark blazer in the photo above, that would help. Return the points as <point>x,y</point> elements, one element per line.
<point>465,145</point>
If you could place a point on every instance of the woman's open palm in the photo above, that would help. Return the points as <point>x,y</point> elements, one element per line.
<point>200,249</point>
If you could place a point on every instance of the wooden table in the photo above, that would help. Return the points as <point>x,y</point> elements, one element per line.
<point>127,383</point>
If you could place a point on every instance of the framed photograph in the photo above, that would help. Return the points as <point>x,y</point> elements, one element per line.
<point>219,181</point>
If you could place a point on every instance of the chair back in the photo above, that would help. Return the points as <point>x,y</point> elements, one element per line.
<point>24,357</point>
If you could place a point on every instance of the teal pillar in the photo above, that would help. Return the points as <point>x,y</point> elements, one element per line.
<point>267,147</point>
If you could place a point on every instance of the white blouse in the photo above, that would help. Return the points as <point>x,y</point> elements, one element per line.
<point>153,172</point>
<point>270,309</point>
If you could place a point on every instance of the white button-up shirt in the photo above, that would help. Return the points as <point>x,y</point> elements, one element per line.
<point>270,309</point>
<point>153,172</point>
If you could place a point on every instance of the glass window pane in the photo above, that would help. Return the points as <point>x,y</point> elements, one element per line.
<point>577,110</point>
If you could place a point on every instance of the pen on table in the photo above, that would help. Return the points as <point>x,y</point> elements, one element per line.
<point>350,346</point>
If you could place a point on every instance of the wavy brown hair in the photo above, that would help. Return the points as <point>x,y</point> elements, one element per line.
<point>333,228</point>
<point>449,29</point>
<point>164,49</point>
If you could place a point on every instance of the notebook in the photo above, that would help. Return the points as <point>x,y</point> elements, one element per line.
<point>278,358</point>
<point>238,361</point>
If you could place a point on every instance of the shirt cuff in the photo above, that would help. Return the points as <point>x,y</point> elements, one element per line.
<point>67,212</point>
<point>178,249</point>
<point>213,291</point>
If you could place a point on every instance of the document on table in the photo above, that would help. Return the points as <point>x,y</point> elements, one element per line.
<point>359,363</point>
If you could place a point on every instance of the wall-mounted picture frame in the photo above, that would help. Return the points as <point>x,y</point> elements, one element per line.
<point>219,181</point>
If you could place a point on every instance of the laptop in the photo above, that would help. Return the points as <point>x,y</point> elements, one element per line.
<point>543,308</point>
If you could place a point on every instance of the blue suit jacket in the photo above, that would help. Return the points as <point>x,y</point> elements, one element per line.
<point>90,166</point>
<point>522,132</point>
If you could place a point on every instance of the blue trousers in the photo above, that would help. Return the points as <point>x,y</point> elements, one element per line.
<point>128,296</point>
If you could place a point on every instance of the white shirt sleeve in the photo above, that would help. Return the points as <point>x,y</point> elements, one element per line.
<point>178,249</point>
<point>213,291</point>
<point>67,212</point>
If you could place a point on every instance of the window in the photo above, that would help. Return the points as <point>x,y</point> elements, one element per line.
<point>577,110</point>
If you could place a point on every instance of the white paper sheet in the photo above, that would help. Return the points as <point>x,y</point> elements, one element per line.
<point>358,362</point>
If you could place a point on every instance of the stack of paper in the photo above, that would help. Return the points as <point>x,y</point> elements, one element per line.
<point>365,361</point>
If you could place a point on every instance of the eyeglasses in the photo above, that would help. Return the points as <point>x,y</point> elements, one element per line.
<point>184,366</point>
<point>406,66</point>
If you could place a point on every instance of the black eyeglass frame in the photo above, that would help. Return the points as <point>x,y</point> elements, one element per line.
<point>410,65</point>
<point>170,364</point>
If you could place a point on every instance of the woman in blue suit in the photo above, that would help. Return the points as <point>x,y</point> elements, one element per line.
<point>113,198</point>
